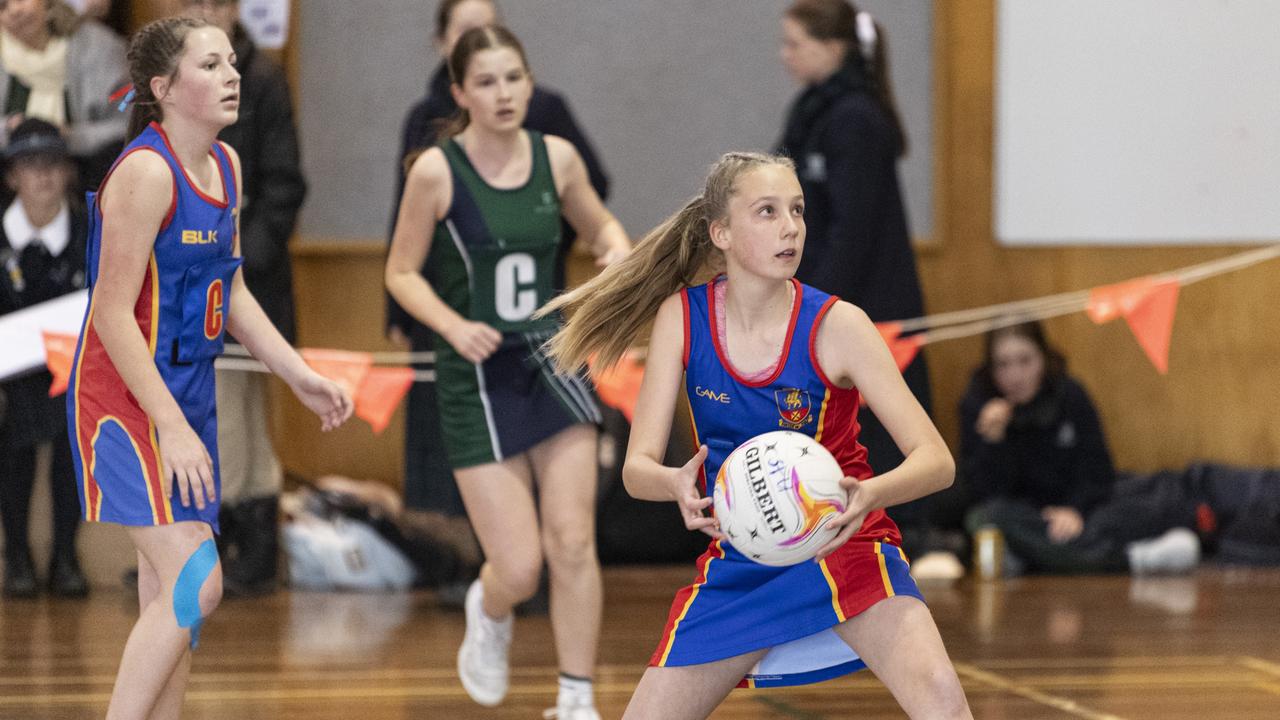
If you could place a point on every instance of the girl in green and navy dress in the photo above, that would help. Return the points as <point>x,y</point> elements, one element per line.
<point>482,211</point>
<point>758,351</point>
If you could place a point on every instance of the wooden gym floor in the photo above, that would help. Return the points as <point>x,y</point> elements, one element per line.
<point>1206,646</point>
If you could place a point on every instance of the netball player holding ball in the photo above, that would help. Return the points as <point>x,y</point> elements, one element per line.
<point>760,352</point>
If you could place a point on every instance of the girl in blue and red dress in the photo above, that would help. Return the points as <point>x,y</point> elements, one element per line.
<point>758,351</point>
<point>165,282</point>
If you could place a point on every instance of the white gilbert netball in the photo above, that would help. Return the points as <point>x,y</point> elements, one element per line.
<point>775,495</point>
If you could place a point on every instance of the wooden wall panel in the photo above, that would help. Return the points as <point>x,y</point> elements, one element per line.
<point>1217,400</point>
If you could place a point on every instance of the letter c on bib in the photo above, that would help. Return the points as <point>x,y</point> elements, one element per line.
<point>213,310</point>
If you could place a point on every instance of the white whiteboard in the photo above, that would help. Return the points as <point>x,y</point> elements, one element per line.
<point>1137,122</point>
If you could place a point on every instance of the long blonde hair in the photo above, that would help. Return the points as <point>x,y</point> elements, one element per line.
<point>609,311</point>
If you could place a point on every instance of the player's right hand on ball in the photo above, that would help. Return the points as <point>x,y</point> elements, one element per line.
<point>184,458</point>
<point>474,341</point>
<point>692,506</point>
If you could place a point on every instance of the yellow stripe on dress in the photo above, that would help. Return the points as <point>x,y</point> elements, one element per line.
<point>822,416</point>
<point>835,591</point>
<point>137,452</point>
<point>706,575</point>
<point>884,573</point>
<point>88,474</point>
<point>165,507</point>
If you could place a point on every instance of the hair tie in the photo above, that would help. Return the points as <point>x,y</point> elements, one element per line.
<point>124,96</point>
<point>868,38</point>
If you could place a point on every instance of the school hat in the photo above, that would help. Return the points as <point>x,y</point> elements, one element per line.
<point>35,137</point>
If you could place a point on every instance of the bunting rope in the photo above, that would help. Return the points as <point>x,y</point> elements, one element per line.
<point>976,321</point>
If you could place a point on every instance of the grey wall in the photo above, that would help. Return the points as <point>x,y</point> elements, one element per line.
<point>663,87</point>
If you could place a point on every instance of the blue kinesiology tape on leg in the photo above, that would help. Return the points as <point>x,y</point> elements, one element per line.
<point>186,592</point>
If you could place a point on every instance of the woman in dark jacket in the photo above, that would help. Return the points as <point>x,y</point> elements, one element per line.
<point>42,256</point>
<point>845,136</point>
<point>429,483</point>
<point>1034,458</point>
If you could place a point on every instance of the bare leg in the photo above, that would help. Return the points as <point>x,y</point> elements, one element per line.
<point>565,468</point>
<point>157,644</point>
<point>169,704</point>
<point>899,641</point>
<point>499,500</point>
<point>690,692</point>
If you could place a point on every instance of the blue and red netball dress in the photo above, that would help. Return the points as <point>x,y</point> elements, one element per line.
<point>181,311</point>
<point>736,606</point>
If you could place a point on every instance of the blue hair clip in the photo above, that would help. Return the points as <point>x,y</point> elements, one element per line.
<point>128,98</point>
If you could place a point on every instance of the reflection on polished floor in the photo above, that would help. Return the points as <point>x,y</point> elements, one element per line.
<point>1099,647</point>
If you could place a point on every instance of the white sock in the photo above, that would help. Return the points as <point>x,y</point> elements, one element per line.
<point>576,691</point>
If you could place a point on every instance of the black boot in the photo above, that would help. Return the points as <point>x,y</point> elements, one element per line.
<point>65,578</point>
<point>20,575</point>
<point>253,569</point>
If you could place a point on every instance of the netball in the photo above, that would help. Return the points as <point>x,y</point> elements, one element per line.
<point>775,495</point>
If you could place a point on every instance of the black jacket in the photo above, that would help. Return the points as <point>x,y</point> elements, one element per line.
<point>548,114</point>
<point>267,141</point>
<point>846,147</point>
<point>27,278</point>
<point>1054,451</point>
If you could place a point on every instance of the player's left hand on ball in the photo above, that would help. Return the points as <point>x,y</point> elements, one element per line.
<point>848,521</point>
<point>692,505</point>
<point>325,398</point>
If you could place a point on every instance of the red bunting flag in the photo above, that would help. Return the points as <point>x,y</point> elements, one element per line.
<point>1151,320</point>
<point>1147,305</point>
<point>1108,302</point>
<point>905,349</point>
<point>619,386</point>
<point>380,394</point>
<point>59,349</point>
<point>890,331</point>
<point>348,369</point>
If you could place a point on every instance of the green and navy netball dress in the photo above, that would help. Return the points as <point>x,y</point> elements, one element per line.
<point>737,606</point>
<point>493,261</point>
<point>181,311</point>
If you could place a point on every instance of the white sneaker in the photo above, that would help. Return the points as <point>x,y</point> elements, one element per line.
<point>1174,553</point>
<point>571,712</point>
<point>482,659</point>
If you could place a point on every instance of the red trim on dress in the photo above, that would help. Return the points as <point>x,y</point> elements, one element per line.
<point>684,305</point>
<point>222,204</point>
<point>813,342</point>
<point>786,344</point>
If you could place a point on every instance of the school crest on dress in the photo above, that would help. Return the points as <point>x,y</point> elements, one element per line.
<point>794,408</point>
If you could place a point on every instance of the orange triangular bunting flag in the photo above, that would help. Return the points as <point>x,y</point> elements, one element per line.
<point>1151,321</point>
<point>905,349</point>
<point>619,386</point>
<point>380,394</point>
<point>890,331</point>
<point>1108,302</point>
<point>345,368</point>
<point>59,349</point>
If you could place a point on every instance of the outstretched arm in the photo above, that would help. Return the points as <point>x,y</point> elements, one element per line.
<point>853,354</point>
<point>643,473</point>
<point>252,328</point>
<point>582,207</point>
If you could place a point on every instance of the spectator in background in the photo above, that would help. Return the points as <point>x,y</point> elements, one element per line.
<point>42,251</point>
<point>1034,457</point>
<point>429,482</point>
<point>267,141</point>
<point>846,136</point>
<point>62,68</point>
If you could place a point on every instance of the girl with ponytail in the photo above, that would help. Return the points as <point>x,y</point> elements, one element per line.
<point>732,325</point>
<point>846,135</point>
<point>165,286</point>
